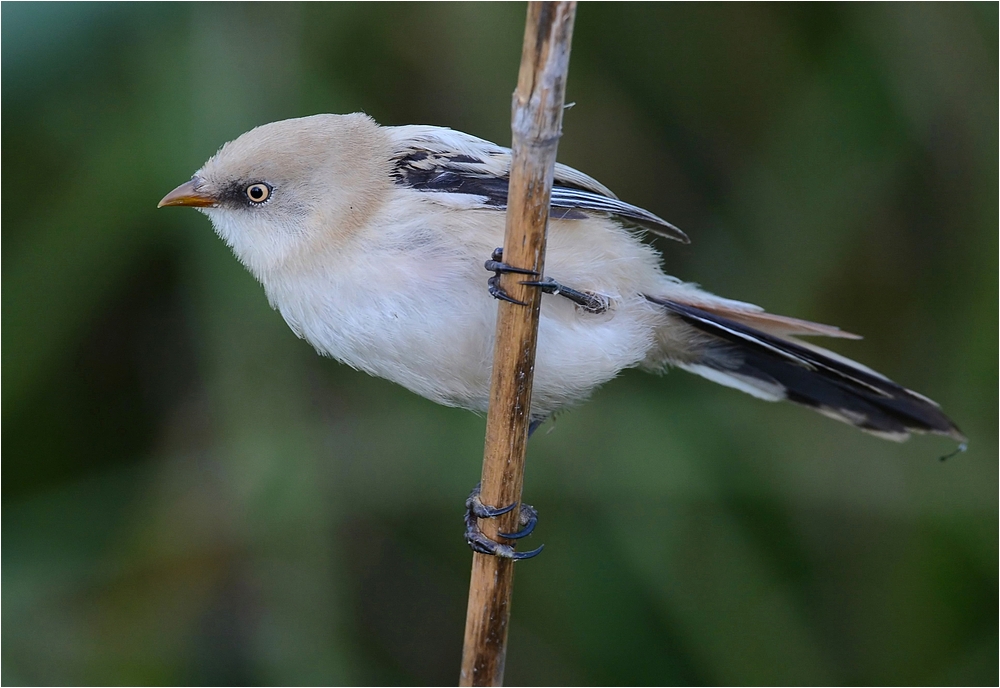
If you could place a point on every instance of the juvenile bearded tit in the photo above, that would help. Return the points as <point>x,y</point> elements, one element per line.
<point>370,241</point>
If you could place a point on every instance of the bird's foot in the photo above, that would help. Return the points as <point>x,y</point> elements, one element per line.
<point>587,300</point>
<point>475,509</point>
<point>498,267</point>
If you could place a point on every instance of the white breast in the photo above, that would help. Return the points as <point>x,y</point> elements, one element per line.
<point>408,301</point>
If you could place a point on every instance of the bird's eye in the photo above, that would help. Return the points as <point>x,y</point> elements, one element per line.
<point>258,192</point>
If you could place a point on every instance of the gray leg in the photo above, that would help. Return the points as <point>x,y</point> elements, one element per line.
<point>588,301</point>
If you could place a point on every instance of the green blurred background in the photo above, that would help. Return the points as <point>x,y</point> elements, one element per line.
<point>192,495</point>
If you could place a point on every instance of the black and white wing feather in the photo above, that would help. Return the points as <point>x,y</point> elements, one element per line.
<point>440,160</point>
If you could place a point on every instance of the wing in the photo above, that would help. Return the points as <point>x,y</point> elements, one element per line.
<point>436,159</point>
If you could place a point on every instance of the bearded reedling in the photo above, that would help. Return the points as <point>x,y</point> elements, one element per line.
<point>370,242</point>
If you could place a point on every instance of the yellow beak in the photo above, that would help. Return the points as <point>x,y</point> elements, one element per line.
<point>186,194</point>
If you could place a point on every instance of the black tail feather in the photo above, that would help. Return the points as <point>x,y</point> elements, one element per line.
<point>813,378</point>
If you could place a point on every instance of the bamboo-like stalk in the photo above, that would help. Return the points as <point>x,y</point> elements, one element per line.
<point>536,124</point>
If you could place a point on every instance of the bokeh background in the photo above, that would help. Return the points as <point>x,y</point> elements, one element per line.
<point>192,496</point>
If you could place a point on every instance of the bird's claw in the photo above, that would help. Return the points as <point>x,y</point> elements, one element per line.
<point>547,285</point>
<point>475,509</point>
<point>496,265</point>
<point>588,301</point>
<point>527,520</point>
<point>498,292</point>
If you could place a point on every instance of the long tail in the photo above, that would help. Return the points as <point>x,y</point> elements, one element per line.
<point>774,368</point>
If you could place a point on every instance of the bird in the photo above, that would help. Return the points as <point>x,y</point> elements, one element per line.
<point>370,241</point>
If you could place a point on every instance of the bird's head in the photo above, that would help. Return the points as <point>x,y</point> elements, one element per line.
<point>289,188</point>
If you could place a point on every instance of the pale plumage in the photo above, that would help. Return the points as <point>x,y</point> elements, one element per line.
<point>371,242</point>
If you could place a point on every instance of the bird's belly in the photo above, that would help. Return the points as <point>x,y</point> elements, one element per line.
<point>436,338</point>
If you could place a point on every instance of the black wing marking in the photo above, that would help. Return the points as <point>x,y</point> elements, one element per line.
<point>425,169</point>
<point>569,197</point>
<point>835,387</point>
